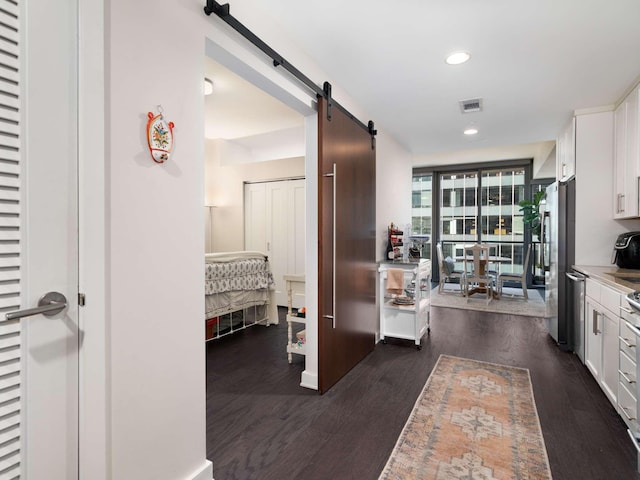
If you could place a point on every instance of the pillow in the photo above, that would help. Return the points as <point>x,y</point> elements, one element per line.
<point>448,265</point>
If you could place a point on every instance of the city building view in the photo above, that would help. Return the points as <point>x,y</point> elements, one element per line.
<point>470,207</point>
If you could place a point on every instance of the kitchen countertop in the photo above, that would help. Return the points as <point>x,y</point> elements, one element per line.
<point>622,279</point>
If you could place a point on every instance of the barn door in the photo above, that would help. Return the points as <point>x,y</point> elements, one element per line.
<point>347,278</point>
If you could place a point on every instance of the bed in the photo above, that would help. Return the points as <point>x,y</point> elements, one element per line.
<point>239,292</point>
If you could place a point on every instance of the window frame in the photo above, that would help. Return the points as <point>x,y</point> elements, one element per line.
<point>479,168</point>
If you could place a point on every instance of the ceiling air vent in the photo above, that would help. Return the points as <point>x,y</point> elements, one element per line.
<point>472,105</point>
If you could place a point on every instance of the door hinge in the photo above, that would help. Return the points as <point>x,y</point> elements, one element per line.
<point>81,299</point>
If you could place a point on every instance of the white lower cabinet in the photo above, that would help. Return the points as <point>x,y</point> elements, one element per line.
<point>602,336</point>
<point>612,352</point>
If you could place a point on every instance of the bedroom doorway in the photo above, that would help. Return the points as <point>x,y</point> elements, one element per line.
<point>254,179</point>
<point>254,174</point>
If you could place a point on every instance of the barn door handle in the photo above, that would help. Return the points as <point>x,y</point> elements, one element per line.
<point>48,305</point>
<point>334,176</point>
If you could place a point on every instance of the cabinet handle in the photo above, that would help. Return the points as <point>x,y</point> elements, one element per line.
<point>626,342</point>
<point>628,310</point>
<point>595,322</point>
<point>633,328</point>
<point>629,417</point>
<point>622,195</point>
<point>624,375</point>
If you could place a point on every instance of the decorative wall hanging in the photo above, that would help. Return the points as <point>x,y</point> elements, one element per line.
<point>159,136</point>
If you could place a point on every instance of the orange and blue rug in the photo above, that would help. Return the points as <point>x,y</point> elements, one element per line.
<point>473,420</point>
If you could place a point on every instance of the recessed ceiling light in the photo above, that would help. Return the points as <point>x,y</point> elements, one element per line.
<point>456,58</point>
<point>470,131</point>
<point>208,86</point>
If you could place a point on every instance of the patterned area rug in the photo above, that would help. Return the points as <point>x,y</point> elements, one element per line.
<point>473,420</point>
<point>512,302</point>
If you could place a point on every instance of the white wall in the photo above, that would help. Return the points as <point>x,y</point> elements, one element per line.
<point>393,190</point>
<point>224,188</point>
<point>155,265</point>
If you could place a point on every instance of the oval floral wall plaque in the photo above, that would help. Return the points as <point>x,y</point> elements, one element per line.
<point>159,137</point>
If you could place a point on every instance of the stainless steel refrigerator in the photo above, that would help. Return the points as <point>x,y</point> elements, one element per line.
<point>558,237</point>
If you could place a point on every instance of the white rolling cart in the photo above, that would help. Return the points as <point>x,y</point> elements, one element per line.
<point>397,318</point>
<point>295,292</point>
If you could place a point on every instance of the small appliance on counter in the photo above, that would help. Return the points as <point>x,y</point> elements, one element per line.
<point>626,252</point>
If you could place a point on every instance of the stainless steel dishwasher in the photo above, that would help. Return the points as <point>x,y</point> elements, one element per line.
<point>575,312</point>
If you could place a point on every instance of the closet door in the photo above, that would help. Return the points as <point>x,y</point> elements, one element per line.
<point>347,283</point>
<point>277,194</point>
<point>255,217</point>
<point>296,235</point>
<point>274,224</point>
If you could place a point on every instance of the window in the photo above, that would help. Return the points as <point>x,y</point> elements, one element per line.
<point>476,204</point>
<point>421,214</point>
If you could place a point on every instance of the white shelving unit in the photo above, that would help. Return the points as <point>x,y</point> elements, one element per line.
<point>409,322</point>
<point>295,288</point>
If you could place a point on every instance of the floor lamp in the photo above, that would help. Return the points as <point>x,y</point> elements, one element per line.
<point>209,245</point>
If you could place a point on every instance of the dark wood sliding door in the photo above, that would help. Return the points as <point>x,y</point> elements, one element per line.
<point>347,268</point>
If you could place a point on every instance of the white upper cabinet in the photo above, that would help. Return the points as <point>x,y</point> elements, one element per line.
<point>566,151</point>
<point>627,157</point>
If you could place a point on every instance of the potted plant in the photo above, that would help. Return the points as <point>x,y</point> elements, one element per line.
<point>531,212</point>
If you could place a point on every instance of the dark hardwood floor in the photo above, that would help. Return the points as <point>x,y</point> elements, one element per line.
<point>262,425</point>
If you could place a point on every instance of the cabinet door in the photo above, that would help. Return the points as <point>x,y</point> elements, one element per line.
<point>633,146</point>
<point>610,355</point>
<point>619,158</point>
<point>593,342</point>
<point>566,151</point>
<point>626,157</point>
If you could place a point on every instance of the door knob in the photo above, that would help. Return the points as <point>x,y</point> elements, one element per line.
<point>49,304</point>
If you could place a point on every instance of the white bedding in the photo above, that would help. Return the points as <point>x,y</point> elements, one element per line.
<point>235,281</point>
<point>231,256</point>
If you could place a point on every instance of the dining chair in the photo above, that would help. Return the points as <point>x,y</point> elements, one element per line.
<point>493,268</point>
<point>447,271</point>
<point>477,280</point>
<point>516,277</point>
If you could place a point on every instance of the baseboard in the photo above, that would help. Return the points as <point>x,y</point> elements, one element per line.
<point>203,473</point>
<point>309,380</point>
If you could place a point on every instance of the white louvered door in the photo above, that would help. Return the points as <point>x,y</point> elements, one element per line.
<point>10,332</point>
<point>38,238</point>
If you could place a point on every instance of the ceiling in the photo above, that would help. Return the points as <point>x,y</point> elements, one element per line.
<point>239,111</point>
<point>532,63</point>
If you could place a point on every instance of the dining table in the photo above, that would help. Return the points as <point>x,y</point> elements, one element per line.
<point>484,260</point>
